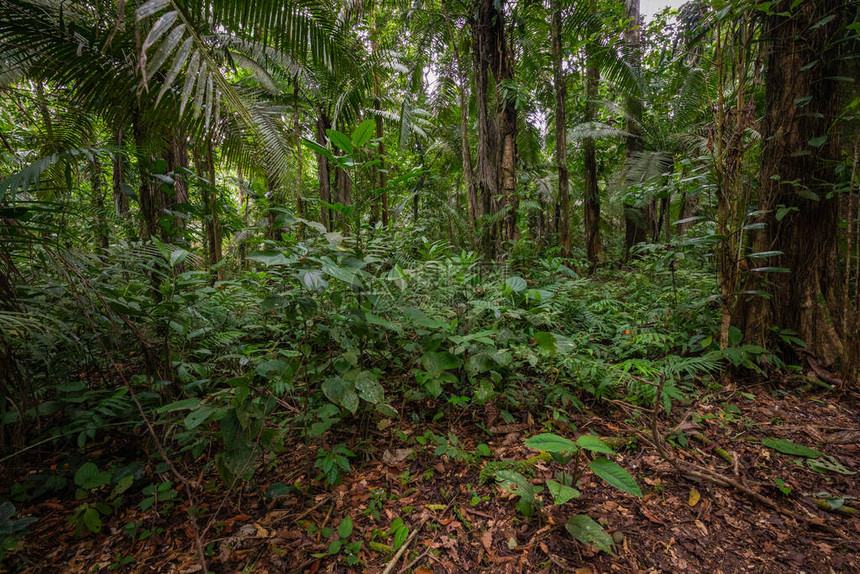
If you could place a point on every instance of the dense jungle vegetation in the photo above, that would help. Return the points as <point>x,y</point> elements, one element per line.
<point>441,285</point>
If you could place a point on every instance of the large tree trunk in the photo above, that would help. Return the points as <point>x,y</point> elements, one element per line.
<point>492,59</point>
<point>323,174</point>
<point>561,130</point>
<point>149,196</point>
<point>637,219</point>
<point>801,149</point>
<point>593,243</point>
<point>343,189</point>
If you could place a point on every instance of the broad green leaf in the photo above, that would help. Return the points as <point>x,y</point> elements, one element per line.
<point>340,140</point>
<point>345,528</point>
<point>437,363</point>
<point>369,388</point>
<point>322,150</point>
<point>524,489</point>
<point>341,392</point>
<point>400,536</point>
<point>346,274</point>
<point>545,341</point>
<point>828,464</point>
<point>363,132</point>
<point>92,520</point>
<point>614,475</point>
<point>516,283</point>
<point>551,443</point>
<point>197,417</point>
<point>586,530</point>
<point>192,403</point>
<point>269,258</point>
<point>594,444</point>
<point>787,447</point>
<point>561,493</point>
<point>88,476</point>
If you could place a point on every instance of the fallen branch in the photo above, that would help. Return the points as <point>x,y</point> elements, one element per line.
<point>708,475</point>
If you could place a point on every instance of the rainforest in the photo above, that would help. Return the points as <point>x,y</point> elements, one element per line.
<point>429,286</point>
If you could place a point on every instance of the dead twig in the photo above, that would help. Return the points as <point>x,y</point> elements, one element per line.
<point>404,546</point>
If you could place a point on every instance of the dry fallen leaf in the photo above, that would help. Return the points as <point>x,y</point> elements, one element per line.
<point>694,497</point>
<point>487,541</point>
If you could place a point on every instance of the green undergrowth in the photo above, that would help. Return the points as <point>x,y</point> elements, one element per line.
<point>314,336</point>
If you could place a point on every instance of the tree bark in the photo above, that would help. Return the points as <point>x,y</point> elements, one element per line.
<point>379,202</point>
<point>561,130</point>
<point>496,179</point>
<point>297,134</point>
<point>797,179</point>
<point>212,225</point>
<point>102,229</point>
<point>177,160</point>
<point>474,206</point>
<point>120,198</point>
<point>323,174</point>
<point>637,220</point>
<point>593,244</point>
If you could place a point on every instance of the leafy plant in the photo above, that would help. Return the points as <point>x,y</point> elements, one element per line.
<point>12,531</point>
<point>333,463</point>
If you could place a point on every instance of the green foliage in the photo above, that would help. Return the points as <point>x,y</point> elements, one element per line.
<point>12,531</point>
<point>333,463</point>
<point>584,529</point>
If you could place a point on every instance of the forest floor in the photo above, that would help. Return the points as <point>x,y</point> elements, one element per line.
<point>457,524</point>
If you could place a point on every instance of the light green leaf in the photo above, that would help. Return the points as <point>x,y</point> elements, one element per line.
<point>345,528</point>
<point>363,132</point>
<point>192,403</point>
<point>586,530</point>
<point>340,140</point>
<point>594,444</point>
<point>369,388</point>
<point>561,493</point>
<point>787,447</point>
<point>516,283</point>
<point>269,257</point>
<point>551,443</point>
<point>614,475</point>
<point>322,150</point>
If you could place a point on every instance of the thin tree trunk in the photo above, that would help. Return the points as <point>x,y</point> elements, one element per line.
<point>343,189</point>
<point>561,130</point>
<point>120,198</point>
<point>637,220</point>
<point>102,228</point>
<point>213,219</point>
<point>300,160</point>
<point>177,160</point>
<point>593,244</point>
<point>379,203</point>
<point>474,206</point>
<point>323,175</point>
